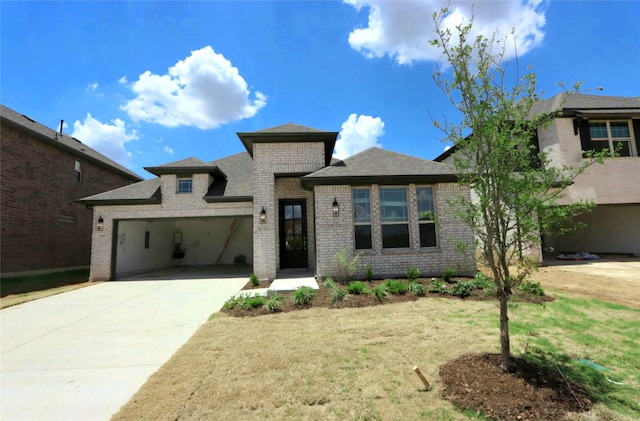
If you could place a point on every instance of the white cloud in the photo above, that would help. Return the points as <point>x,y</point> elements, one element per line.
<point>358,133</point>
<point>92,87</point>
<point>123,80</point>
<point>403,29</point>
<point>203,90</point>
<point>168,150</point>
<point>108,139</point>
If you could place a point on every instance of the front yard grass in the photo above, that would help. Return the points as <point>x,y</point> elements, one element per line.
<point>356,363</point>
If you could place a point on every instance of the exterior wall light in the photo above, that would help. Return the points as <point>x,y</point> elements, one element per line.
<point>336,207</point>
<point>100,224</point>
<point>263,216</point>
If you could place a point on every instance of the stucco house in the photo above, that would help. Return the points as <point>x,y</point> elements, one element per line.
<point>593,122</point>
<point>44,172</point>
<point>284,204</point>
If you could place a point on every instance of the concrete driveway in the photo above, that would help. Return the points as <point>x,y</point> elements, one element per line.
<point>82,354</point>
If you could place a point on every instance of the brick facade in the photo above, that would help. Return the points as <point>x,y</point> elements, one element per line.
<point>43,228</point>
<point>336,234</point>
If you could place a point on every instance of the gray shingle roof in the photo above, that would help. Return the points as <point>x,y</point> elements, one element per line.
<point>289,128</point>
<point>568,101</point>
<point>238,169</point>
<point>378,165</point>
<point>62,141</point>
<point>193,165</point>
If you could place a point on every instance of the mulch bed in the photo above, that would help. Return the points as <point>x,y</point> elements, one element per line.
<point>530,392</point>
<point>322,299</point>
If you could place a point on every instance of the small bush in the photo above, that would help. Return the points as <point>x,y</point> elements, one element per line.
<point>357,288</point>
<point>462,289</point>
<point>413,274</point>
<point>380,292</point>
<point>448,274</point>
<point>438,287</point>
<point>273,302</point>
<point>254,279</point>
<point>533,288</point>
<point>368,273</point>
<point>251,302</point>
<point>417,289</point>
<point>329,283</point>
<point>303,295</point>
<point>346,267</point>
<point>395,287</point>
<point>338,295</point>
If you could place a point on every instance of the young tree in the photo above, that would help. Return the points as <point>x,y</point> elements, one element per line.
<point>515,188</point>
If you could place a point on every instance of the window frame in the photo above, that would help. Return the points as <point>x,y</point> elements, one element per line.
<point>405,222</point>
<point>77,169</point>
<point>432,221</point>
<point>611,140</point>
<point>184,179</point>
<point>357,223</point>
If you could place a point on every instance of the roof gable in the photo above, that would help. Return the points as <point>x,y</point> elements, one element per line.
<point>188,165</point>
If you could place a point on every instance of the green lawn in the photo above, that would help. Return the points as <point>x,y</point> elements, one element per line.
<point>27,284</point>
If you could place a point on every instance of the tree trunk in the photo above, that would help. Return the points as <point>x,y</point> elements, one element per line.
<point>504,332</point>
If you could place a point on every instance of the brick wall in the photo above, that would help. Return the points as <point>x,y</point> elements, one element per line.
<point>335,234</point>
<point>42,227</point>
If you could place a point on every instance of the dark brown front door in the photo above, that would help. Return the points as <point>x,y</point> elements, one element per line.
<point>293,234</point>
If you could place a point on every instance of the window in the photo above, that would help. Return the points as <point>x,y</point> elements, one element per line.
<point>613,136</point>
<point>146,239</point>
<point>426,217</point>
<point>394,217</point>
<point>185,185</point>
<point>362,218</point>
<point>78,170</point>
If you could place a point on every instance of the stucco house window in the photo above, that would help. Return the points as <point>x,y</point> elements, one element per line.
<point>394,217</point>
<point>426,217</point>
<point>362,218</point>
<point>614,136</point>
<point>185,185</point>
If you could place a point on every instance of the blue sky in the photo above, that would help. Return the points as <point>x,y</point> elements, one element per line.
<point>149,83</point>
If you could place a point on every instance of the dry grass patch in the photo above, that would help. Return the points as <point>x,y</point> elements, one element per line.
<point>316,364</point>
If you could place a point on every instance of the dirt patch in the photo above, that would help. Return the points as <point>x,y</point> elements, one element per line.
<point>530,392</point>
<point>615,281</point>
<point>12,300</point>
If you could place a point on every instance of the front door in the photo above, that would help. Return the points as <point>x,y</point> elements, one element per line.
<point>293,234</point>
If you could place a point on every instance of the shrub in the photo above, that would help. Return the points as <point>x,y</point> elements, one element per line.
<point>338,294</point>
<point>417,289</point>
<point>328,283</point>
<point>357,288</point>
<point>395,287</point>
<point>380,292</point>
<point>303,295</point>
<point>254,279</point>
<point>448,274</point>
<point>533,288</point>
<point>346,267</point>
<point>273,302</point>
<point>480,281</point>
<point>413,274</point>
<point>248,303</point>
<point>368,273</point>
<point>438,287</point>
<point>462,289</point>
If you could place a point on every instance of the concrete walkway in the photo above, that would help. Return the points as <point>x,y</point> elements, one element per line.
<point>81,355</point>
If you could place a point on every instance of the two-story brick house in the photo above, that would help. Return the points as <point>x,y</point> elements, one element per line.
<point>284,203</point>
<point>43,174</point>
<point>593,122</point>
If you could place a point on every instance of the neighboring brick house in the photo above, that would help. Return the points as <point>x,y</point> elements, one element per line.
<point>284,204</point>
<point>43,174</point>
<point>587,122</point>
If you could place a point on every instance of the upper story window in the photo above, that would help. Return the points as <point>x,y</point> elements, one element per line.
<point>77,168</point>
<point>394,217</point>
<point>185,185</point>
<point>362,218</point>
<point>426,217</point>
<point>613,136</point>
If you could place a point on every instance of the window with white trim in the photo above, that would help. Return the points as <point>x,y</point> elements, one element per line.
<point>613,136</point>
<point>362,218</point>
<point>426,217</point>
<point>394,217</point>
<point>185,185</point>
<point>77,168</point>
